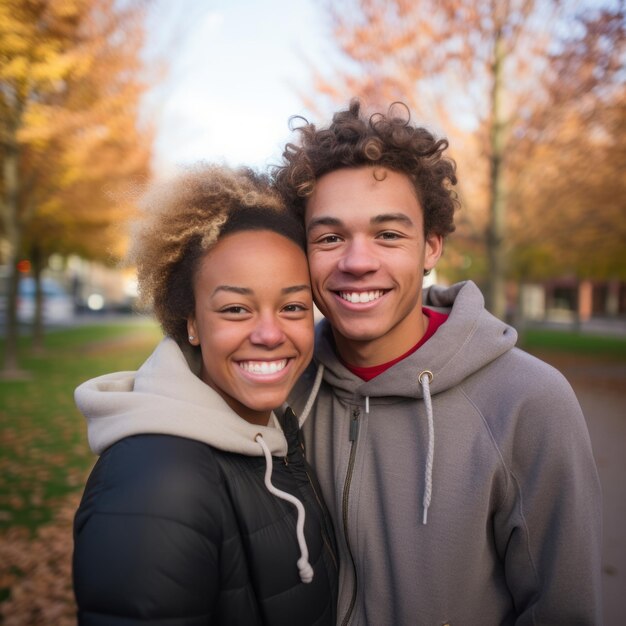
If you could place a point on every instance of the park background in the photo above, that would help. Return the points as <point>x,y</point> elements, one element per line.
<point>100,97</point>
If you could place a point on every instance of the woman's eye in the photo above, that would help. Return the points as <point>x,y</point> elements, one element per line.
<point>234,310</point>
<point>294,308</point>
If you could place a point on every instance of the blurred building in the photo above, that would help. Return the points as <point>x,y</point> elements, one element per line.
<point>570,300</point>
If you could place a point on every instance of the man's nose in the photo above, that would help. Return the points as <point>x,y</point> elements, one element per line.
<point>268,332</point>
<point>359,258</point>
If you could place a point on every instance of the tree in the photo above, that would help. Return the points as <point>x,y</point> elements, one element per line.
<point>568,199</point>
<point>70,83</point>
<point>472,67</point>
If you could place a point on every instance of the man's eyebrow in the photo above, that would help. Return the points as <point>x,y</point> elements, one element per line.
<point>392,217</point>
<point>323,221</point>
<point>377,219</point>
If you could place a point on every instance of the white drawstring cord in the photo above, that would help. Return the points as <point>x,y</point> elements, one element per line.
<point>304,567</point>
<point>425,379</point>
<point>311,399</point>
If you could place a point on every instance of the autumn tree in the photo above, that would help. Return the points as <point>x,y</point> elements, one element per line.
<point>471,68</point>
<point>567,200</point>
<point>70,83</point>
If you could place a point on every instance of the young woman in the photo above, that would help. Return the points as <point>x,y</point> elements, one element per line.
<point>201,508</point>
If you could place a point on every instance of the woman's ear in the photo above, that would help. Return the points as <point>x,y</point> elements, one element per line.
<point>192,333</point>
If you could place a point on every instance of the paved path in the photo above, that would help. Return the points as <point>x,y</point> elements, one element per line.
<point>601,390</point>
<point>606,418</point>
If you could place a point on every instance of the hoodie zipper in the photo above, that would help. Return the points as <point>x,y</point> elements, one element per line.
<point>354,432</point>
<point>322,506</point>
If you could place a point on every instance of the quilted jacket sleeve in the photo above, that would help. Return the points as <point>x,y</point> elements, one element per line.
<point>148,535</point>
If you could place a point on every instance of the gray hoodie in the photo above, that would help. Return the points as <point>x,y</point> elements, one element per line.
<point>468,498</point>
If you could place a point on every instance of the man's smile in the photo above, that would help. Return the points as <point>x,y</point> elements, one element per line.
<point>356,297</point>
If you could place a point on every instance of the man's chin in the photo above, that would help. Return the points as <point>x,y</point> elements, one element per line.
<point>355,333</point>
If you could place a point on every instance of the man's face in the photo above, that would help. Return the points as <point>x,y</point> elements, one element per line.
<point>367,254</point>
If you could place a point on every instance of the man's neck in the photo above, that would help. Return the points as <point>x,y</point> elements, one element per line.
<point>394,344</point>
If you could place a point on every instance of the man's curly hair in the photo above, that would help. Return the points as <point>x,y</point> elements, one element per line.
<point>382,141</point>
<point>184,219</point>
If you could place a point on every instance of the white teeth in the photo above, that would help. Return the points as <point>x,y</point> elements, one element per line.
<point>361,296</point>
<point>263,367</point>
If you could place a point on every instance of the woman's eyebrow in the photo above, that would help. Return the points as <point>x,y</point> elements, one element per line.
<point>295,289</point>
<point>246,291</point>
<point>243,291</point>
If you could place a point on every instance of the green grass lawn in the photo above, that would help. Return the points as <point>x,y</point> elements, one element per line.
<point>44,453</point>
<point>581,344</point>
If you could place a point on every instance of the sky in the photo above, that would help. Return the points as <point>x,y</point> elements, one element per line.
<point>234,70</point>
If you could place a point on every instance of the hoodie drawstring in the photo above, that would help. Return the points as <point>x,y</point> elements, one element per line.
<point>304,567</point>
<point>425,378</point>
<point>312,395</point>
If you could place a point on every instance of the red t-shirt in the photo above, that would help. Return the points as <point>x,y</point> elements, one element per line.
<point>435,320</point>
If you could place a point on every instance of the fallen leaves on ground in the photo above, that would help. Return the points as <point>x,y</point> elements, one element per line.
<point>37,570</point>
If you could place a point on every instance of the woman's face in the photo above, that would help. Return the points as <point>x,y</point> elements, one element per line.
<point>253,320</point>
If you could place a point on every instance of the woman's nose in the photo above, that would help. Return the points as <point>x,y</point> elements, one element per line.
<point>268,332</point>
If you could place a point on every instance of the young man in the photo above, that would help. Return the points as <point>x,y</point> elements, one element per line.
<point>457,468</point>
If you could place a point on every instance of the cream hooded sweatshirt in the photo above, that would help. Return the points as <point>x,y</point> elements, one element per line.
<point>166,397</point>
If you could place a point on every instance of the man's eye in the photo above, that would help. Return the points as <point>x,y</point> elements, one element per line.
<point>329,239</point>
<point>389,236</point>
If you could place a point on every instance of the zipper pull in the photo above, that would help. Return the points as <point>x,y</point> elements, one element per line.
<point>354,424</point>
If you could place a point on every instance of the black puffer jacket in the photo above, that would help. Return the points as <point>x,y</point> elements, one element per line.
<point>172,531</point>
<point>176,530</point>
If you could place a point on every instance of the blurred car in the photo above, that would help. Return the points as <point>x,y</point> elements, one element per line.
<point>58,304</point>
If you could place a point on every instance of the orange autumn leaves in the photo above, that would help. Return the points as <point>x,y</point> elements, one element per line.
<point>72,79</point>
<point>531,95</point>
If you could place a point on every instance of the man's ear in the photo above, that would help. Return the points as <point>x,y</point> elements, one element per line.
<point>433,249</point>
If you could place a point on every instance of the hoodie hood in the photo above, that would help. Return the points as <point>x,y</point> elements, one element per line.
<point>165,397</point>
<point>470,339</point>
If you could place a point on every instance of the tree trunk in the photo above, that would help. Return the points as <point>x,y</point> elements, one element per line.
<point>13,228</point>
<point>37,261</point>
<point>14,237</point>
<point>495,297</point>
